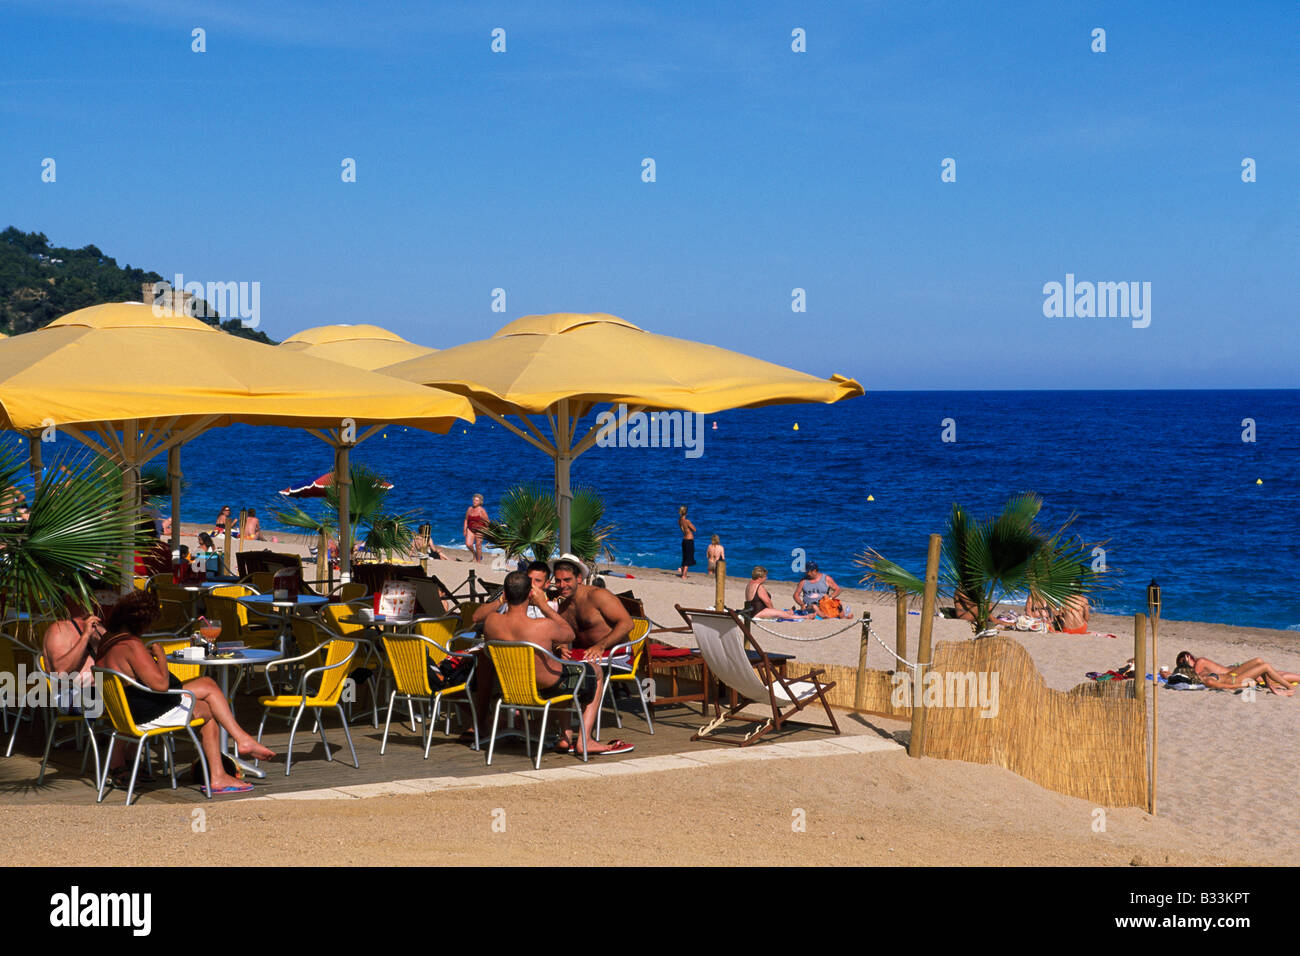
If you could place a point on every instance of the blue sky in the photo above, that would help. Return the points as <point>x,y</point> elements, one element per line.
<point>775,170</point>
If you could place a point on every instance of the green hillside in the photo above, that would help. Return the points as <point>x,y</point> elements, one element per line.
<point>40,282</point>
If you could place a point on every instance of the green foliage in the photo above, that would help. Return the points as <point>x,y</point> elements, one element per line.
<point>73,537</point>
<point>386,533</point>
<point>985,559</point>
<point>39,283</point>
<point>529,524</point>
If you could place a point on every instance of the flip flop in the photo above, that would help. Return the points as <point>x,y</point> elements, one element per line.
<point>238,788</point>
<point>615,747</point>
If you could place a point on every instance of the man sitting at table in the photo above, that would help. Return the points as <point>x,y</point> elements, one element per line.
<point>552,679</point>
<point>597,617</point>
<point>540,574</point>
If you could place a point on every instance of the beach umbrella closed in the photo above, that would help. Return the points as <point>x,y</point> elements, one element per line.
<point>131,381</point>
<point>564,364</point>
<point>361,346</point>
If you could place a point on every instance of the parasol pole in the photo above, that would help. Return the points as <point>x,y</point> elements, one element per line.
<point>343,476</point>
<point>34,457</point>
<point>130,504</point>
<point>563,461</point>
<point>174,476</point>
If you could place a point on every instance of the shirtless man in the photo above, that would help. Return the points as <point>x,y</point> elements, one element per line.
<point>597,617</point>
<point>1217,677</point>
<point>69,645</point>
<point>549,632</point>
<point>540,576</point>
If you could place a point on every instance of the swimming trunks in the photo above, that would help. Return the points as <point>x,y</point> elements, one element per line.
<point>688,552</point>
<point>582,684</point>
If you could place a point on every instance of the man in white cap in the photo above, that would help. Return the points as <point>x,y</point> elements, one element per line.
<point>597,617</point>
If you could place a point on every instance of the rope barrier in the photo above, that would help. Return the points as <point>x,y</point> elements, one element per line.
<point>791,637</point>
<point>894,655</point>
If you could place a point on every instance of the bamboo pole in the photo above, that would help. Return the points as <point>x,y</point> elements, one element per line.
<point>1153,603</point>
<point>900,628</point>
<point>243,520</point>
<point>1140,656</point>
<point>324,569</point>
<point>130,499</point>
<point>916,746</point>
<point>860,688</point>
<point>720,586</point>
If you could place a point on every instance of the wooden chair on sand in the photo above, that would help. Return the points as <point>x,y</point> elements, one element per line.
<point>722,637</point>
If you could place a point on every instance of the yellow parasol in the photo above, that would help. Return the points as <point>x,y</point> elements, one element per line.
<point>361,346</point>
<point>564,364</point>
<point>131,381</point>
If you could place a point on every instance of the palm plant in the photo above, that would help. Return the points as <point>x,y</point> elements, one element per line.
<point>73,537</point>
<point>529,524</point>
<point>382,531</point>
<point>984,560</point>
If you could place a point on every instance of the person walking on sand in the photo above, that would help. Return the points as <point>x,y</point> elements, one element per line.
<point>476,522</point>
<point>688,541</point>
<point>715,553</point>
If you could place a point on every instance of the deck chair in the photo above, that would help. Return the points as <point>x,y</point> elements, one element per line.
<point>722,637</point>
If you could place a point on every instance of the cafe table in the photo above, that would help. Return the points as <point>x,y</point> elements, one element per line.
<point>268,606</point>
<point>239,657</point>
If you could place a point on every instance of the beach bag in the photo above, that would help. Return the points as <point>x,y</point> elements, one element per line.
<point>1026,623</point>
<point>454,669</point>
<point>830,607</point>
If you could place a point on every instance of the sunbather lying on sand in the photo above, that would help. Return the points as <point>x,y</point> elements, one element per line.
<point>1218,677</point>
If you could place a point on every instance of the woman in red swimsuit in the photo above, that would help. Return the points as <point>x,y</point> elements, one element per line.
<point>476,522</point>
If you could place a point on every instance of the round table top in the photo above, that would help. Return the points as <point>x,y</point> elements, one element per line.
<point>304,600</point>
<point>246,655</point>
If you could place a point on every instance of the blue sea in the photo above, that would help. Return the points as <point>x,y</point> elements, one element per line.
<point>1161,479</point>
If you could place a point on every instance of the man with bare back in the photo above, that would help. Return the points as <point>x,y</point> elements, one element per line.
<point>550,632</point>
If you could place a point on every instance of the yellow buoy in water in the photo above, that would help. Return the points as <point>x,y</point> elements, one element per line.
<point>796,426</point>
<point>871,497</point>
<point>1259,481</point>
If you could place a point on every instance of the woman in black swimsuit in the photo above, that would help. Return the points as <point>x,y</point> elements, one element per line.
<point>758,602</point>
<point>123,650</point>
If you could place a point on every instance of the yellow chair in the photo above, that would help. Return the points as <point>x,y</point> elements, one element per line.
<point>118,709</point>
<point>328,694</point>
<point>621,663</point>
<point>262,581</point>
<point>236,625</point>
<point>348,592</point>
<point>171,645</point>
<point>410,656</point>
<point>517,675</point>
<point>176,608</point>
<point>61,712</point>
<point>466,612</point>
<point>141,583</point>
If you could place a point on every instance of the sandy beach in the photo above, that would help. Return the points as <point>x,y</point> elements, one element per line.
<point>1225,784</point>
